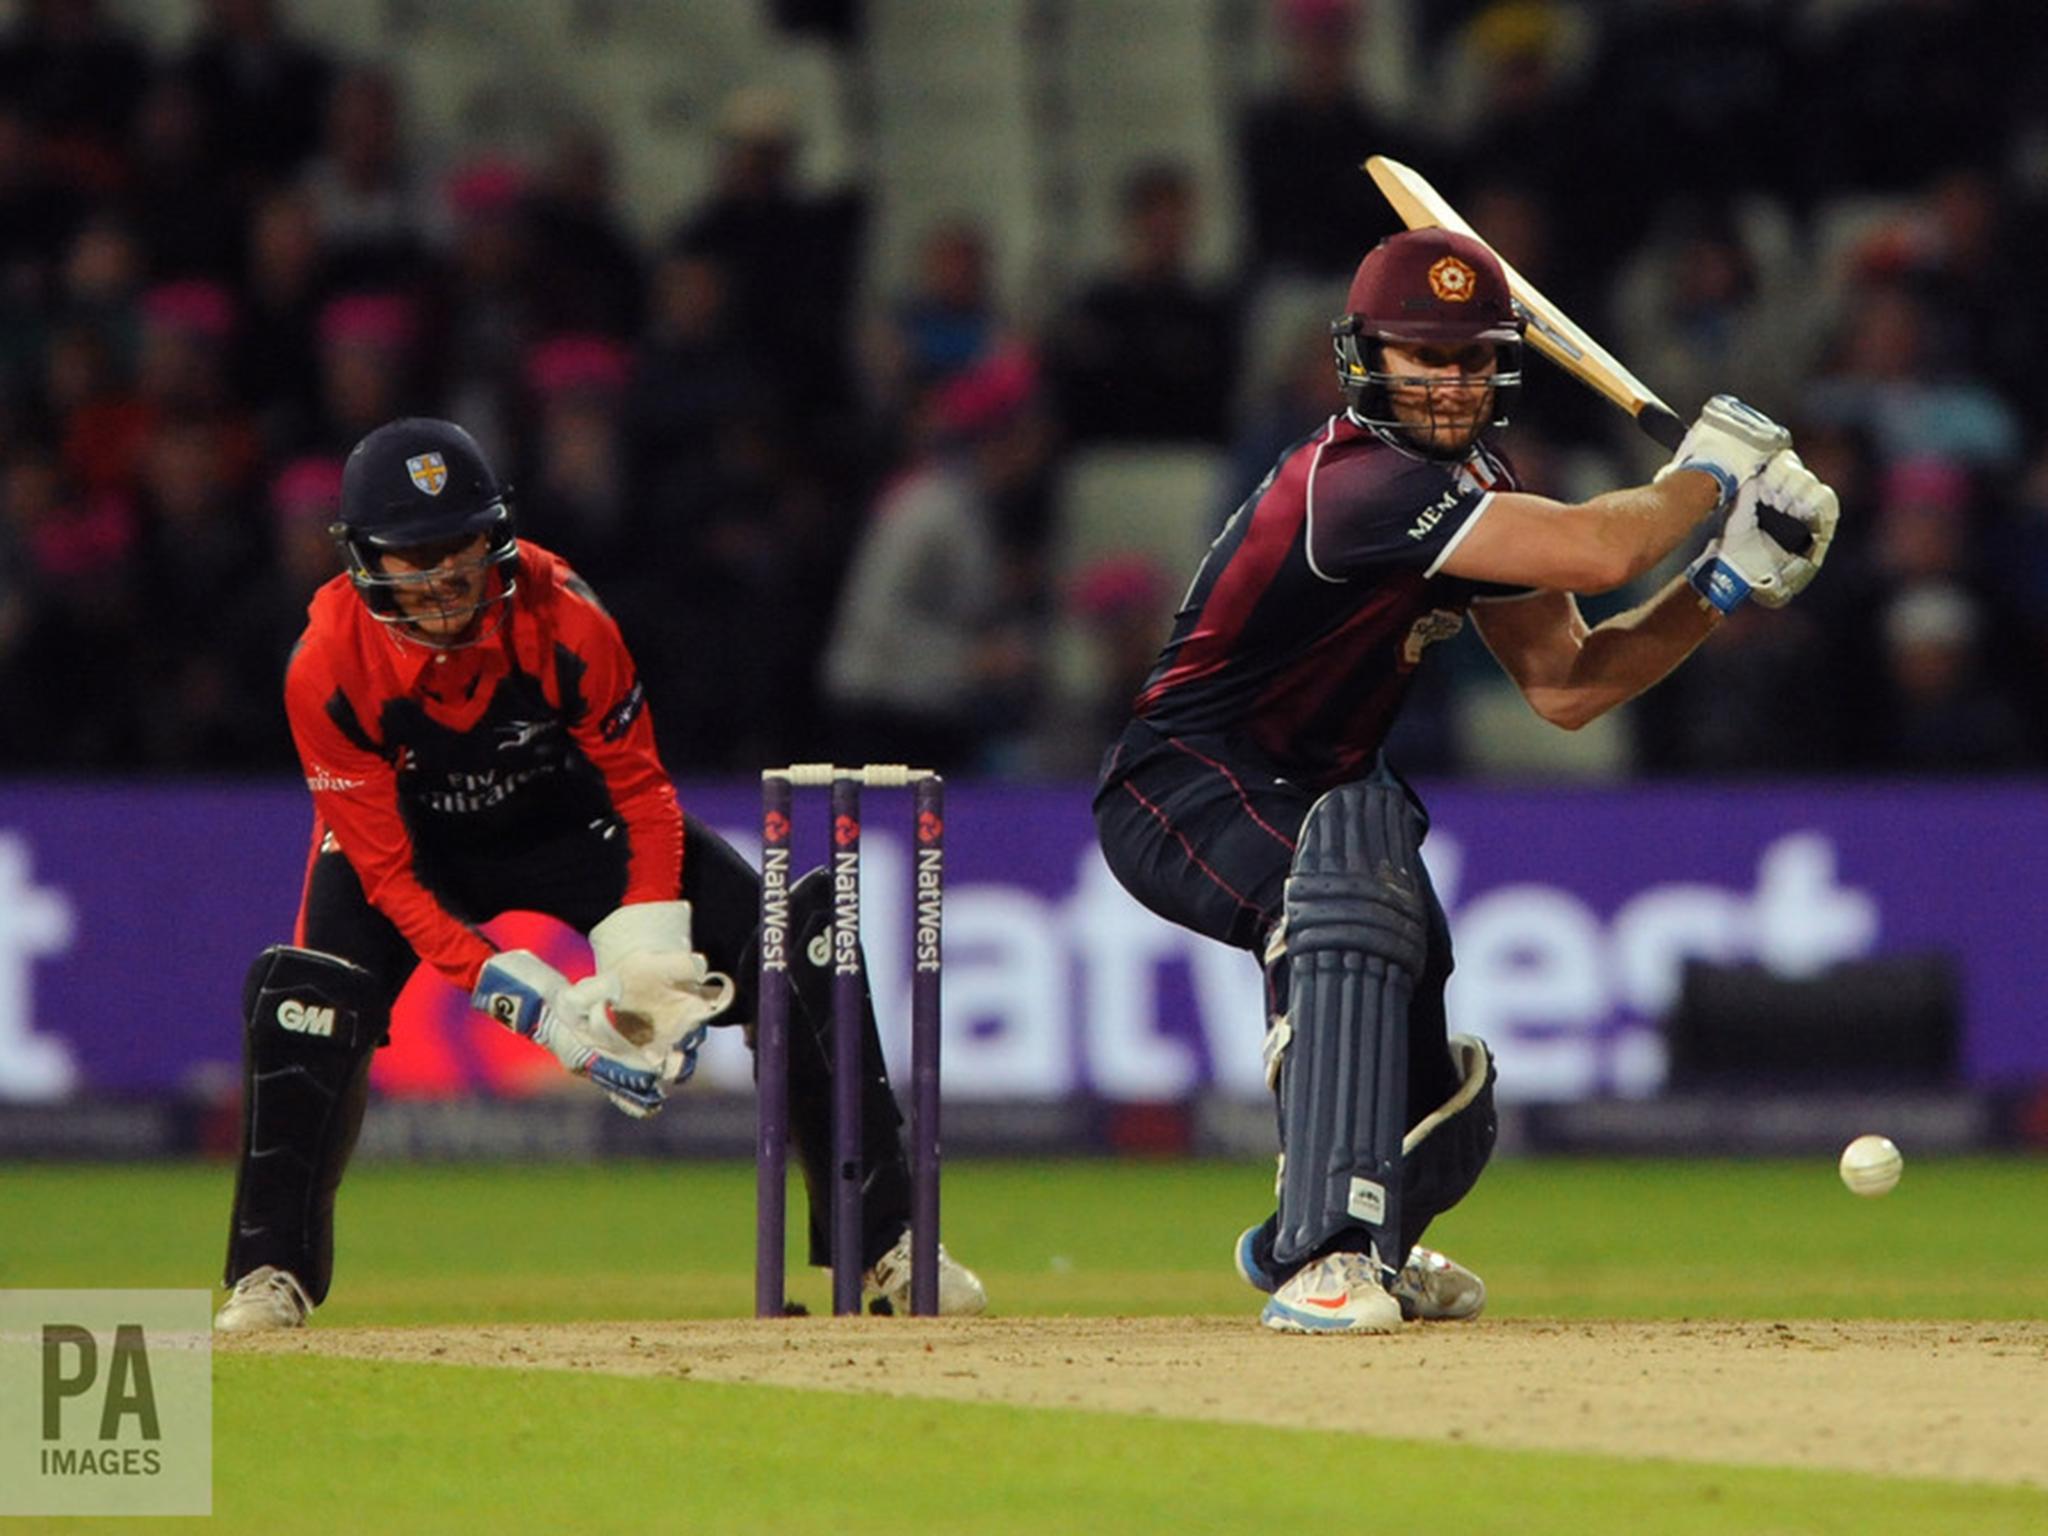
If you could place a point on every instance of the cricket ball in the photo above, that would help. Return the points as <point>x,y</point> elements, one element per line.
<point>1871,1166</point>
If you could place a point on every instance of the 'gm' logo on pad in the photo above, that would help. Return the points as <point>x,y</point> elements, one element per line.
<point>305,1018</point>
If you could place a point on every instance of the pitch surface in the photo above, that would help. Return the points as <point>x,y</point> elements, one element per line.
<point>1959,1401</point>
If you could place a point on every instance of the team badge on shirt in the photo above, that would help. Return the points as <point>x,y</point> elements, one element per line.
<point>1439,624</point>
<point>429,473</point>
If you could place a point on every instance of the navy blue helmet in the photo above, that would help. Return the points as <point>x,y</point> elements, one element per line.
<point>412,485</point>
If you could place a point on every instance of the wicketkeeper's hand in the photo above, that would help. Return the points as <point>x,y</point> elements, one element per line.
<point>1730,441</point>
<point>658,992</point>
<point>531,998</point>
<point>1745,561</point>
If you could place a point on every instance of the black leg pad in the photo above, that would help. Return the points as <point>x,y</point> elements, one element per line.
<point>312,1022</point>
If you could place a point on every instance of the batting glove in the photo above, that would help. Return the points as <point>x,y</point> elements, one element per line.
<point>1745,561</point>
<point>1730,441</point>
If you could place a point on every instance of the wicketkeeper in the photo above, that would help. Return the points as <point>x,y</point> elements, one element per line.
<point>476,741</point>
<point>1249,799</point>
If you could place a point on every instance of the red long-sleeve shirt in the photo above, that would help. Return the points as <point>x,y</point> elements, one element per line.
<point>520,735</point>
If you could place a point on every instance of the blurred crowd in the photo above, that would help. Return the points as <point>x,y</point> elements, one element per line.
<point>825,516</point>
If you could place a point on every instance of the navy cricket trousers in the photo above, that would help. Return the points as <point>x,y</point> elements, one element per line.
<point>1201,830</point>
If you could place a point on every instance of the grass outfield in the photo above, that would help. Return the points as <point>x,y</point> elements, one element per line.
<point>308,1444</point>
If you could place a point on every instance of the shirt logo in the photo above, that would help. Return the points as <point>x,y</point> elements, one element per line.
<point>428,472</point>
<point>1434,513</point>
<point>320,781</point>
<point>523,733</point>
<point>623,714</point>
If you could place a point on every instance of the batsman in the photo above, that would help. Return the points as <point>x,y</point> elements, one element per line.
<point>1249,798</point>
<point>476,741</point>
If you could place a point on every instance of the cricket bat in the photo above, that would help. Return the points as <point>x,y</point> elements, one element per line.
<point>1556,335</point>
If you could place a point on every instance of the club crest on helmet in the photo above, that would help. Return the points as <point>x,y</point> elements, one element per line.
<point>429,472</point>
<point>1452,281</point>
<point>416,483</point>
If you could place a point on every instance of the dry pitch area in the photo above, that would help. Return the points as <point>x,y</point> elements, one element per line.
<point>1965,1401</point>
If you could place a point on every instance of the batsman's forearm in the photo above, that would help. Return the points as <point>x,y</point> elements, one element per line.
<point>1643,524</point>
<point>1630,652</point>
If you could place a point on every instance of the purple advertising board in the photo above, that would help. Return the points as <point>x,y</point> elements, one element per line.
<point>128,915</point>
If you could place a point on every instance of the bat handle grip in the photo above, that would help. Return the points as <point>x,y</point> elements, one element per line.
<point>1790,534</point>
<point>1662,425</point>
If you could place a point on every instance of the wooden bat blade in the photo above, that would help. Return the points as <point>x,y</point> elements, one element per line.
<point>1409,192</point>
<point>1550,330</point>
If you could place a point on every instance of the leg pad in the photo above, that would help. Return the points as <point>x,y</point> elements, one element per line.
<point>312,1022</point>
<point>1355,936</point>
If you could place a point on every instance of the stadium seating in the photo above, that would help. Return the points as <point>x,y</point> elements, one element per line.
<point>952,122</point>
<point>1140,84</point>
<point>1161,503</point>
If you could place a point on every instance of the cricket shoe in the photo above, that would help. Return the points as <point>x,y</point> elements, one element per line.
<point>1435,1288</point>
<point>888,1283</point>
<point>1338,1293</point>
<point>1253,1266</point>
<point>265,1298</point>
<point>1432,1287</point>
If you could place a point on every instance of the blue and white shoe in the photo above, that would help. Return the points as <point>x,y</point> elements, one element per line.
<point>1432,1287</point>
<point>1249,1269</point>
<point>1339,1293</point>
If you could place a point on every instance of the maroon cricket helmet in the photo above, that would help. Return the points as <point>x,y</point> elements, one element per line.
<point>1432,286</point>
<point>1425,287</point>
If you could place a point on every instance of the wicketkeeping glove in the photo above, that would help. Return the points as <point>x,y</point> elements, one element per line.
<point>1747,562</point>
<point>1730,441</point>
<point>531,998</point>
<point>659,992</point>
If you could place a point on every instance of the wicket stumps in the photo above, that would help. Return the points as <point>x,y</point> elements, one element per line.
<point>771,1151</point>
